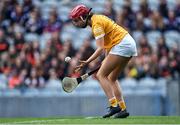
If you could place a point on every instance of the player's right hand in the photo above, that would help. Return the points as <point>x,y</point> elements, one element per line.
<point>81,65</point>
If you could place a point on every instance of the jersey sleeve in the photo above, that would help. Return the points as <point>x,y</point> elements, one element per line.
<point>98,31</point>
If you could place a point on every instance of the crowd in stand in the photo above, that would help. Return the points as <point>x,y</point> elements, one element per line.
<point>27,63</point>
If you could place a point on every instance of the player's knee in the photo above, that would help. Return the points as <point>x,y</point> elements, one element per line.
<point>111,78</point>
<point>100,76</point>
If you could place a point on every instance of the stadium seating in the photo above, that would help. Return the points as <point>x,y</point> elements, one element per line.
<point>77,36</point>
<point>172,38</point>
<point>152,37</point>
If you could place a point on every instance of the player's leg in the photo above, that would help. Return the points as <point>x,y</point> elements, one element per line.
<point>110,63</point>
<point>112,78</point>
<point>117,89</point>
<point>102,76</point>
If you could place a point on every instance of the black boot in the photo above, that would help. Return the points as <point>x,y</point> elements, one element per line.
<point>112,111</point>
<point>122,114</point>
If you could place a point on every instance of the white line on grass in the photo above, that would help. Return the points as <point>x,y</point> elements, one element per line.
<point>37,121</point>
<point>90,117</point>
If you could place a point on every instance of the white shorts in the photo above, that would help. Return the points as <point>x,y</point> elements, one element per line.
<point>126,48</point>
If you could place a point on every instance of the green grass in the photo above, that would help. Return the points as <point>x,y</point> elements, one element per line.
<point>94,120</point>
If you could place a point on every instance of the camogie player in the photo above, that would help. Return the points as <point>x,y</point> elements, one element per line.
<point>119,48</point>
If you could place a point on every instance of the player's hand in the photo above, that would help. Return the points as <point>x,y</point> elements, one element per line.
<point>81,65</point>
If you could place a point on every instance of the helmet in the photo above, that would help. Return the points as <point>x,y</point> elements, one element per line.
<point>78,11</point>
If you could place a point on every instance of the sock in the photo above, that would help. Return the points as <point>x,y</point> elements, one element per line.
<point>113,102</point>
<point>122,105</point>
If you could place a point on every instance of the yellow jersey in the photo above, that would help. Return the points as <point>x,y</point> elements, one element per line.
<point>103,26</point>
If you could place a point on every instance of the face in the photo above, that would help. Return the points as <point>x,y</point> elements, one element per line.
<point>78,22</point>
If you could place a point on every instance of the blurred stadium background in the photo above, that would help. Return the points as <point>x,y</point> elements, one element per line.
<point>36,36</point>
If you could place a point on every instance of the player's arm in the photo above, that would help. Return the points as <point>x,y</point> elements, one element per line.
<point>98,51</point>
<point>99,34</point>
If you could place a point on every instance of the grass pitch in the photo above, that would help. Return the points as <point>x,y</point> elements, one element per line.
<point>94,120</point>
